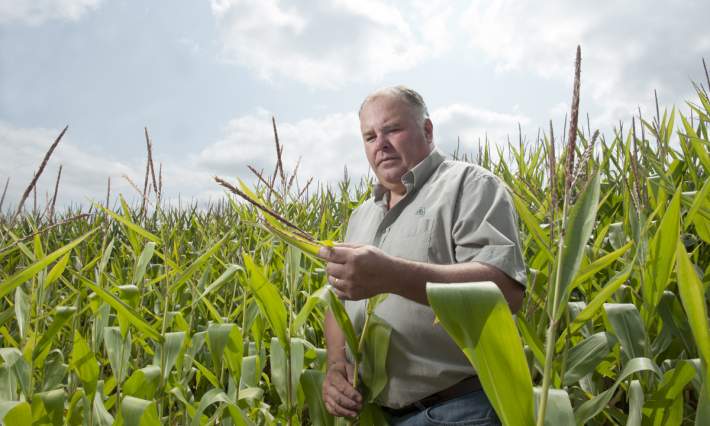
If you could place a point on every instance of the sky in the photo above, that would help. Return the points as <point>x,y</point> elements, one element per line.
<point>206,78</point>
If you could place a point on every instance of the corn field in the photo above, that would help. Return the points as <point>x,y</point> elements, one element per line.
<point>148,315</point>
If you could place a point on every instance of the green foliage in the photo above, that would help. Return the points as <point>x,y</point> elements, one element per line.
<point>201,315</point>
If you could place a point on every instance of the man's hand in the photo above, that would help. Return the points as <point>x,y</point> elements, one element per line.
<point>358,271</point>
<point>340,397</point>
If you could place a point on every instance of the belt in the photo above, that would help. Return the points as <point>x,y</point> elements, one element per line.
<point>465,386</point>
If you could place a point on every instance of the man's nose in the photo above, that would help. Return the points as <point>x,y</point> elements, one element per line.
<point>382,142</point>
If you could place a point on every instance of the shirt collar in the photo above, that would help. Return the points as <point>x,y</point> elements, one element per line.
<point>415,177</point>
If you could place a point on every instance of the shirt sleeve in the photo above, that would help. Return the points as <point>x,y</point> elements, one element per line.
<point>485,229</point>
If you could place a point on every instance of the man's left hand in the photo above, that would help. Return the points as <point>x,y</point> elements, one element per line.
<point>358,271</point>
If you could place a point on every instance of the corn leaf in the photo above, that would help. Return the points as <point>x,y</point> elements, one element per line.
<point>628,327</point>
<point>279,375</point>
<point>123,309</point>
<point>138,412</point>
<point>559,408</point>
<point>61,316</point>
<point>142,262</point>
<point>26,274</point>
<point>312,301</point>
<point>374,360</point>
<point>312,383</point>
<point>197,264</point>
<point>579,228</point>
<point>234,353</point>
<point>532,224</point>
<point>219,282</point>
<point>343,320</point>
<point>217,338</point>
<point>594,406</point>
<point>662,251</point>
<point>17,413</point>
<point>52,403</point>
<point>57,270</point>
<point>100,415</point>
<point>118,349</point>
<point>601,297</point>
<point>665,406</point>
<point>636,400</point>
<point>267,298</point>
<point>584,357</point>
<point>16,364</point>
<point>84,363</point>
<point>602,263</point>
<point>693,298</point>
<point>477,317</point>
<point>143,383</point>
<point>172,346</point>
<point>129,224</point>
<point>217,396</point>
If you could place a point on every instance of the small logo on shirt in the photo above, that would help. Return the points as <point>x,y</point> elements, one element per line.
<point>420,212</point>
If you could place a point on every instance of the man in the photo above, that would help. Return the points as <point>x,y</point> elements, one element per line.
<point>430,220</point>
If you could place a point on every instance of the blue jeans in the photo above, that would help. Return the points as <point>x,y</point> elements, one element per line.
<point>466,410</point>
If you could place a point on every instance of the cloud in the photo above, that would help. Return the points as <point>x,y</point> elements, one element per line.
<point>85,174</point>
<point>330,43</point>
<point>628,48</point>
<point>472,126</point>
<point>325,145</point>
<point>332,142</point>
<point>36,12</point>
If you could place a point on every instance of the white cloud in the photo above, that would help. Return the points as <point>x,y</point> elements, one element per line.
<point>325,145</point>
<point>330,43</point>
<point>84,174</point>
<point>329,143</point>
<point>628,48</point>
<point>36,12</point>
<point>471,126</point>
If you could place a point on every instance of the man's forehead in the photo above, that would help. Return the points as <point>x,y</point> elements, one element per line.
<point>388,115</point>
<point>383,98</point>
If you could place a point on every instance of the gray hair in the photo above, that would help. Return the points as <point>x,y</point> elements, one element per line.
<point>404,93</point>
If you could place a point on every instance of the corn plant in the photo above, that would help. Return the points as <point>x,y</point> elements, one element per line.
<point>141,313</point>
<point>627,285</point>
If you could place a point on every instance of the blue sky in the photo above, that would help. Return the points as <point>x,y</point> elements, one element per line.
<point>206,77</point>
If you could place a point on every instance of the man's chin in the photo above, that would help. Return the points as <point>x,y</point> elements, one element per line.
<point>390,178</point>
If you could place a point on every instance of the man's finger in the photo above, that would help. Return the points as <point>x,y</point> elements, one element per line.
<point>340,294</point>
<point>340,411</point>
<point>335,254</point>
<point>353,394</point>
<point>340,400</point>
<point>342,382</point>
<point>339,283</point>
<point>346,389</point>
<point>337,270</point>
<point>349,245</point>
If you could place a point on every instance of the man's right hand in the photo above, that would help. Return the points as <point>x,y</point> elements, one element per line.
<point>340,397</point>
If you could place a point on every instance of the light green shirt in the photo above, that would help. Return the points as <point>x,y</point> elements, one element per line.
<point>452,212</point>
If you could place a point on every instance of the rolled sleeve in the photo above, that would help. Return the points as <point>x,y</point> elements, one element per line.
<point>485,227</point>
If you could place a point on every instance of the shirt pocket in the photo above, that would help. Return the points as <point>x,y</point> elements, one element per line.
<point>415,240</point>
<point>422,225</point>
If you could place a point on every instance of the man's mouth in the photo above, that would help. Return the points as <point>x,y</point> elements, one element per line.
<point>383,160</point>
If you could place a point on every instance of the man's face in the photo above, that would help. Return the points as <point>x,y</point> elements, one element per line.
<point>395,141</point>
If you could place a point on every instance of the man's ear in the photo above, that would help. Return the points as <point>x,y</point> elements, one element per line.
<point>428,130</point>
